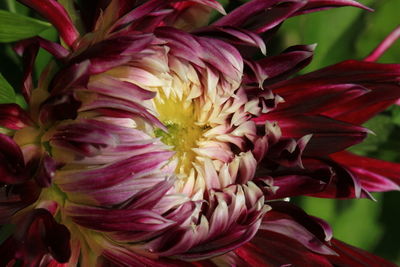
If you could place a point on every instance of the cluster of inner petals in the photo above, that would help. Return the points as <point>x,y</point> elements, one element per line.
<point>207,120</point>
<point>173,129</point>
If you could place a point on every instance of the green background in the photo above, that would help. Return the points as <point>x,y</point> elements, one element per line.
<point>344,33</point>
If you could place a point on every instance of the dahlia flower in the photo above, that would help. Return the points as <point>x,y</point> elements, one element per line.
<point>154,139</point>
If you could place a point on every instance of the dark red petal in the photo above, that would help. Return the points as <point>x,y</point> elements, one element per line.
<point>288,62</point>
<point>73,75</point>
<point>300,182</point>
<point>288,152</point>
<point>317,227</point>
<point>12,116</point>
<point>367,105</point>
<point>374,175</point>
<point>140,12</point>
<point>118,45</point>
<point>381,79</point>
<point>16,197</point>
<point>57,15</point>
<point>328,135</point>
<point>317,98</point>
<point>152,6</point>
<point>46,170</point>
<point>271,249</point>
<point>36,234</point>
<point>28,57</point>
<point>260,15</point>
<point>343,184</point>
<point>59,107</point>
<point>350,256</point>
<point>316,5</point>
<point>12,163</point>
<point>55,49</point>
<point>240,38</point>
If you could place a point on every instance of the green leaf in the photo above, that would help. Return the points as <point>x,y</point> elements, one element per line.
<point>7,94</point>
<point>15,27</point>
<point>20,100</point>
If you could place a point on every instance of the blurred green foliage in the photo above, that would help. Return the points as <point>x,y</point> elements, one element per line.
<point>345,33</point>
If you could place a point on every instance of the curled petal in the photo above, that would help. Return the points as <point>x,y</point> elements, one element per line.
<point>55,49</point>
<point>231,219</point>
<point>276,68</point>
<point>374,175</point>
<point>295,216</point>
<point>288,152</point>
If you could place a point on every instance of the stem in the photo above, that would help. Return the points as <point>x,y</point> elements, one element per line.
<point>384,45</point>
<point>11,6</point>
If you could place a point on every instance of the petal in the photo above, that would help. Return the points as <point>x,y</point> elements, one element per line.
<point>260,15</point>
<point>55,49</point>
<point>317,98</point>
<point>12,116</point>
<point>317,5</point>
<point>16,197</point>
<point>328,135</point>
<point>374,175</point>
<point>276,68</point>
<point>352,256</point>
<point>317,227</point>
<point>269,248</point>
<point>57,15</point>
<point>236,37</point>
<point>12,164</point>
<point>37,234</point>
<point>380,79</point>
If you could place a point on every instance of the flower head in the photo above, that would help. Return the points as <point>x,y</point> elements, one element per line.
<point>154,139</point>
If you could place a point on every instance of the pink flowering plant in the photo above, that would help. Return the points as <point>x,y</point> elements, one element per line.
<point>158,136</point>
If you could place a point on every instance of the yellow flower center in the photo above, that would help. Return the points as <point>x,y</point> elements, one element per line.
<point>179,116</point>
